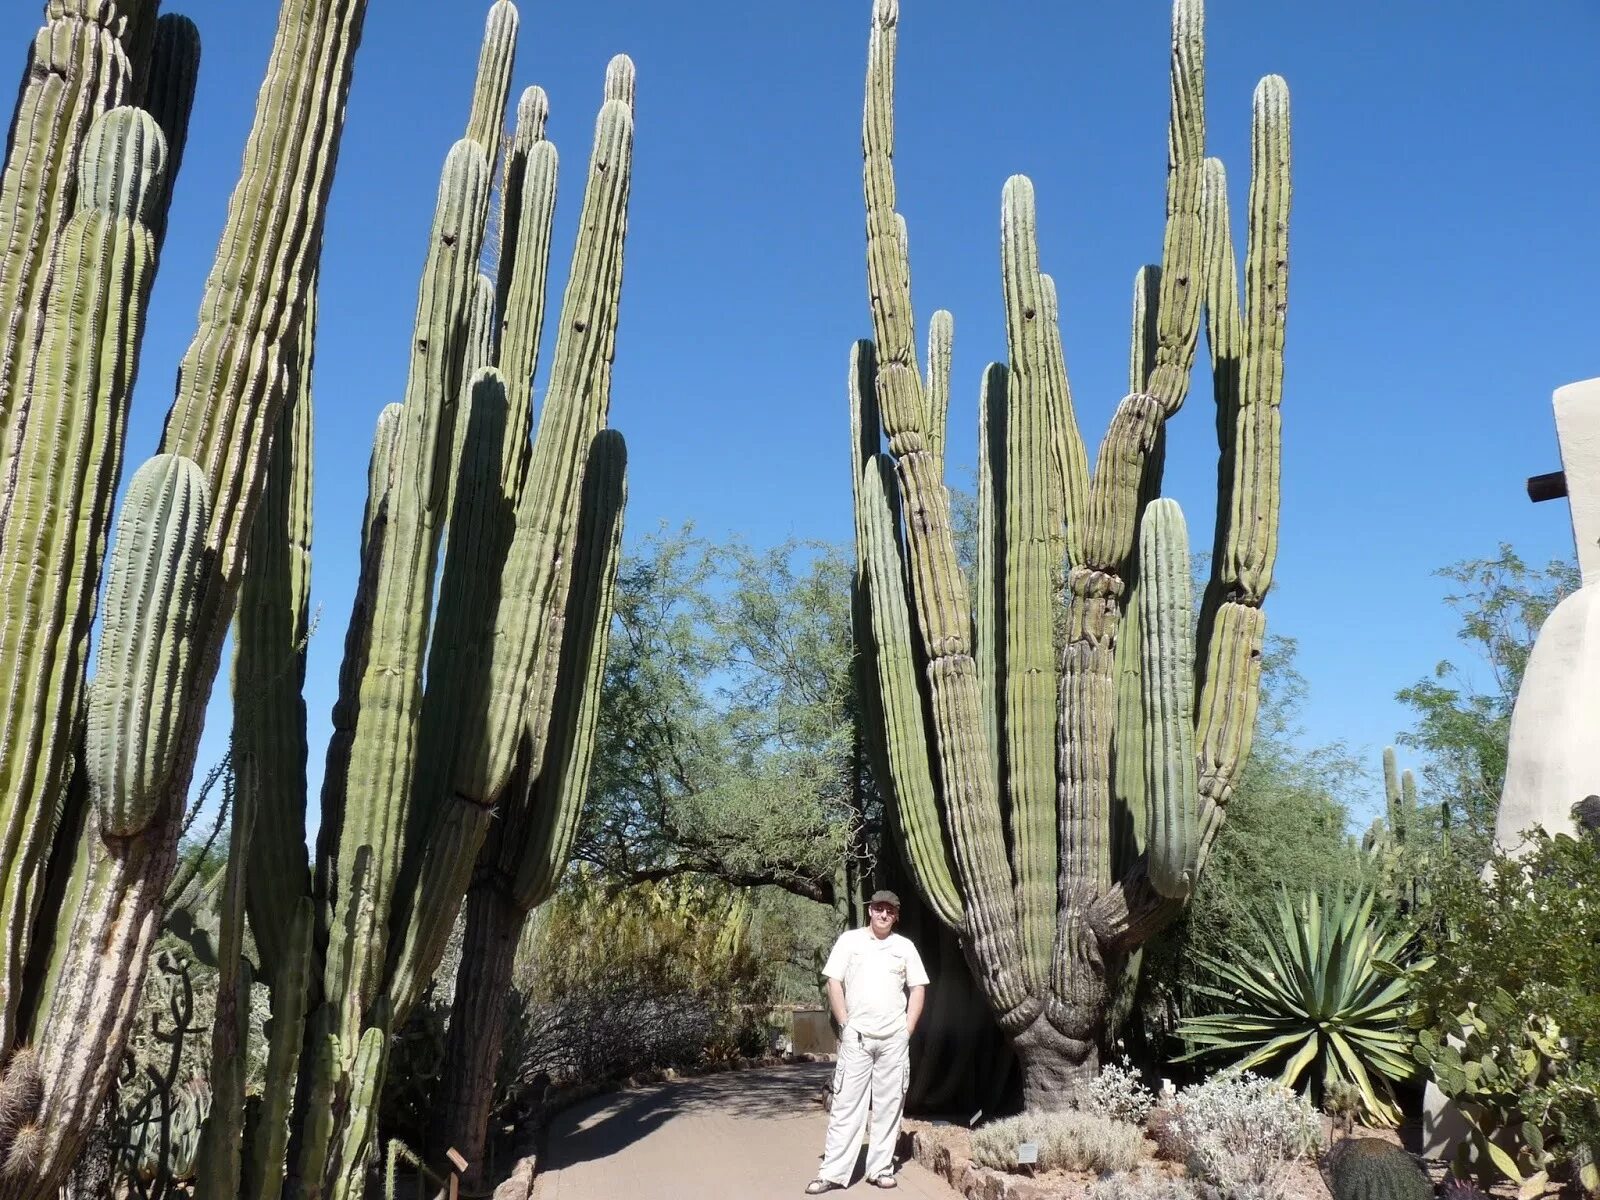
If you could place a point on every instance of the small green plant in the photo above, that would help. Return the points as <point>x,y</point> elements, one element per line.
<point>1508,1016</point>
<point>1067,1141</point>
<point>1372,1169</point>
<point>1316,1003</point>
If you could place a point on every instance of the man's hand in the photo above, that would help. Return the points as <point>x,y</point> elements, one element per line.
<point>914,1007</point>
<point>836,1002</point>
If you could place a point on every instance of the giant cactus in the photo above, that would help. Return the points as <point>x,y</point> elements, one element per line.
<point>98,846</point>
<point>1017,728</point>
<point>421,759</point>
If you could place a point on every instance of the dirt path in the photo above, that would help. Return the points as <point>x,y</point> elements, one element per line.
<point>749,1135</point>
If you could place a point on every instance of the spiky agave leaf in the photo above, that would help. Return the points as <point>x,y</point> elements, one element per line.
<point>1315,1002</point>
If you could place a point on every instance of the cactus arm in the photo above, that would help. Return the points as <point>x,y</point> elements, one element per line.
<point>547,509</point>
<point>940,601</point>
<point>444,834</point>
<point>78,68</point>
<point>1182,250</point>
<point>493,81</point>
<point>941,335</point>
<point>383,742</point>
<point>533,114</point>
<point>135,708</point>
<point>522,322</point>
<point>1071,461</point>
<point>556,801</point>
<point>70,455</point>
<point>1167,646</point>
<point>269,667</point>
<point>914,795</point>
<point>221,1139</point>
<point>264,1171</point>
<point>1233,629</point>
<point>1030,523</point>
<point>1230,687</point>
<point>1127,748</point>
<point>169,98</point>
<point>523,657</point>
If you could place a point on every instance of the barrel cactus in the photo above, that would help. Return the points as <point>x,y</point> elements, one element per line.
<point>1058,741</point>
<point>1373,1169</point>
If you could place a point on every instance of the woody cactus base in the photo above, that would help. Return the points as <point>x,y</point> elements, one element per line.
<point>1058,741</point>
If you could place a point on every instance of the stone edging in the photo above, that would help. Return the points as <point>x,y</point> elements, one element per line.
<point>966,1177</point>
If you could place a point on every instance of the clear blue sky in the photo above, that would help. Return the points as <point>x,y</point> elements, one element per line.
<point>1442,262</point>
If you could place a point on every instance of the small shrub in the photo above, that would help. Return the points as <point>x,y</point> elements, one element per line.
<point>1144,1185</point>
<point>1370,1169</point>
<point>1067,1141</point>
<point>1118,1092</point>
<point>1237,1133</point>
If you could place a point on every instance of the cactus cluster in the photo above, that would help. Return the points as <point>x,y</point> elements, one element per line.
<point>1401,854</point>
<point>1058,742</point>
<point>93,774</point>
<point>1373,1169</point>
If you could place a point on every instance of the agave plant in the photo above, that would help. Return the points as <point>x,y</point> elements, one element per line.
<point>1319,999</point>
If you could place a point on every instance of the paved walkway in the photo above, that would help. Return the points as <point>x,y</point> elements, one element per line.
<point>748,1135</point>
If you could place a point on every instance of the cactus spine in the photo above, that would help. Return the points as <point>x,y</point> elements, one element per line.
<point>1071,686</point>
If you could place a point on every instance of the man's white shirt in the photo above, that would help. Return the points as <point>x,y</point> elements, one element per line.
<point>876,973</point>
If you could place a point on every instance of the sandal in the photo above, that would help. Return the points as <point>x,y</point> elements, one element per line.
<point>884,1181</point>
<point>817,1186</point>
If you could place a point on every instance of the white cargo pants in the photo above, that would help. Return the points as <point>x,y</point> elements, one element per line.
<point>869,1070</point>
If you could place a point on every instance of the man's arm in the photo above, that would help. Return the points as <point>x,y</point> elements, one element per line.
<point>836,1002</point>
<point>914,1007</point>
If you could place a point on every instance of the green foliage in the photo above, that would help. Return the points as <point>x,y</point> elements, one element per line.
<point>1463,719</point>
<point>613,981</point>
<point>1285,830</point>
<point>1513,959</point>
<point>1067,1141</point>
<point>1314,1001</point>
<point>1372,1169</point>
<point>726,735</point>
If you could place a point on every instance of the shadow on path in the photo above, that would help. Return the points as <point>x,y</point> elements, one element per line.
<point>607,1125</point>
<point>747,1135</point>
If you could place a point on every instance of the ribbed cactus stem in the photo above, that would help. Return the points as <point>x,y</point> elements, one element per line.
<point>269,667</point>
<point>169,97</point>
<point>78,68</point>
<point>69,457</point>
<point>222,1140</point>
<point>573,413</point>
<point>941,607</point>
<point>533,112</point>
<point>383,742</point>
<point>1165,613</point>
<point>135,709</point>
<point>267,1158</point>
<point>555,802</point>
<point>493,82</point>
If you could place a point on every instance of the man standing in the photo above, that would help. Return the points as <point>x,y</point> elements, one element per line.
<point>876,984</point>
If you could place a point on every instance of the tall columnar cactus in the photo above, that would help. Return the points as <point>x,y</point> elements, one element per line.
<point>421,759</point>
<point>70,452</point>
<point>63,387</point>
<point>1018,724</point>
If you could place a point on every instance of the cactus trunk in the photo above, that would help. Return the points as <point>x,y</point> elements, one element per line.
<point>477,1022</point>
